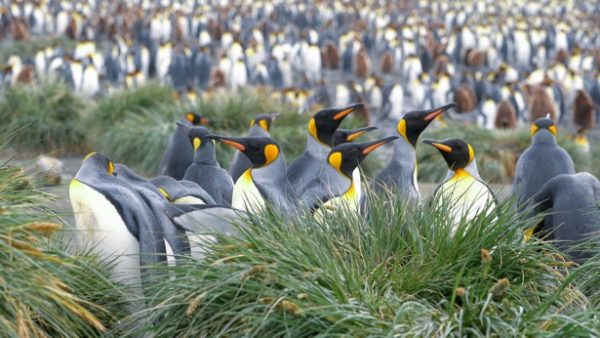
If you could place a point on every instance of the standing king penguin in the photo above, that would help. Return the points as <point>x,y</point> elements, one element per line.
<point>267,180</point>
<point>543,160</point>
<point>574,205</point>
<point>179,153</point>
<point>334,187</point>
<point>400,175</point>
<point>116,220</point>
<point>321,128</point>
<point>465,193</point>
<point>205,169</point>
<point>259,127</point>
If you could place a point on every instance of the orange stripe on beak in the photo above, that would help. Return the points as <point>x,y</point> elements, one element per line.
<point>343,114</point>
<point>442,147</point>
<point>433,115</point>
<point>373,147</point>
<point>235,145</point>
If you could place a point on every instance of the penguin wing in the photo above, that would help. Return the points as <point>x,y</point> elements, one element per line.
<point>206,218</point>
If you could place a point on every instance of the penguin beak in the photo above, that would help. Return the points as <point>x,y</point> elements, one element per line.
<point>429,115</point>
<point>439,145</point>
<point>204,121</point>
<point>358,133</point>
<point>232,142</point>
<point>370,146</point>
<point>340,114</point>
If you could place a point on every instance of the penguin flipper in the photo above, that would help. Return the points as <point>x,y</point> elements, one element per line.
<point>206,218</point>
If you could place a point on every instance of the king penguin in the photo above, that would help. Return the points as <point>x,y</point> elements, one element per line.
<point>179,153</point>
<point>266,181</point>
<point>543,160</point>
<point>573,201</point>
<point>334,187</point>
<point>321,128</point>
<point>400,175</point>
<point>259,127</point>
<point>181,192</point>
<point>342,136</point>
<point>205,169</point>
<point>116,220</point>
<point>463,192</point>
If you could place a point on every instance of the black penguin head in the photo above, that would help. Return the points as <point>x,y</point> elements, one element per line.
<point>195,119</point>
<point>264,121</point>
<point>544,123</point>
<point>414,123</point>
<point>456,152</point>
<point>346,157</point>
<point>261,151</point>
<point>323,124</point>
<point>342,136</point>
<point>197,136</point>
<point>100,163</point>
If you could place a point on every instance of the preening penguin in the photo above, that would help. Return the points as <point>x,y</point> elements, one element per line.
<point>543,160</point>
<point>205,169</point>
<point>179,153</point>
<point>321,128</point>
<point>115,218</point>
<point>260,126</point>
<point>400,175</point>
<point>334,186</point>
<point>181,192</point>
<point>267,180</point>
<point>463,192</point>
<point>574,205</point>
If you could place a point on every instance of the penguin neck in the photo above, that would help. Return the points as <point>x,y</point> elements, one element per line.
<point>316,148</point>
<point>273,173</point>
<point>405,155</point>
<point>469,171</point>
<point>206,155</point>
<point>258,131</point>
<point>544,137</point>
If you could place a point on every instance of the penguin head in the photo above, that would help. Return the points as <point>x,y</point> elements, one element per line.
<point>414,123</point>
<point>197,136</point>
<point>264,121</point>
<point>346,157</point>
<point>323,124</point>
<point>544,123</point>
<point>342,136</point>
<point>195,119</point>
<point>261,151</point>
<point>457,153</point>
<point>100,163</point>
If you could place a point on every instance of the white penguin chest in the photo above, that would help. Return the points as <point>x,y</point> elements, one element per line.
<point>103,227</point>
<point>466,197</point>
<point>246,195</point>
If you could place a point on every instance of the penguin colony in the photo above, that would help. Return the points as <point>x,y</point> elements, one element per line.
<point>166,217</point>
<point>506,63</point>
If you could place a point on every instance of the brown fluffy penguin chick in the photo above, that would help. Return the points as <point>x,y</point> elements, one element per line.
<point>466,99</point>
<point>474,58</point>
<point>217,78</point>
<point>386,63</point>
<point>331,59</point>
<point>540,104</point>
<point>19,29</point>
<point>583,111</point>
<point>362,66</point>
<point>506,116</point>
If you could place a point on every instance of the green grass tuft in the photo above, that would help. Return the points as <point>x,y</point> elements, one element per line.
<point>397,272</point>
<point>46,116</point>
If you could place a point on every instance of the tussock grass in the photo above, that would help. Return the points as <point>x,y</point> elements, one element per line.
<point>47,116</point>
<point>26,49</point>
<point>46,290</point>
<point>397,272</point>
